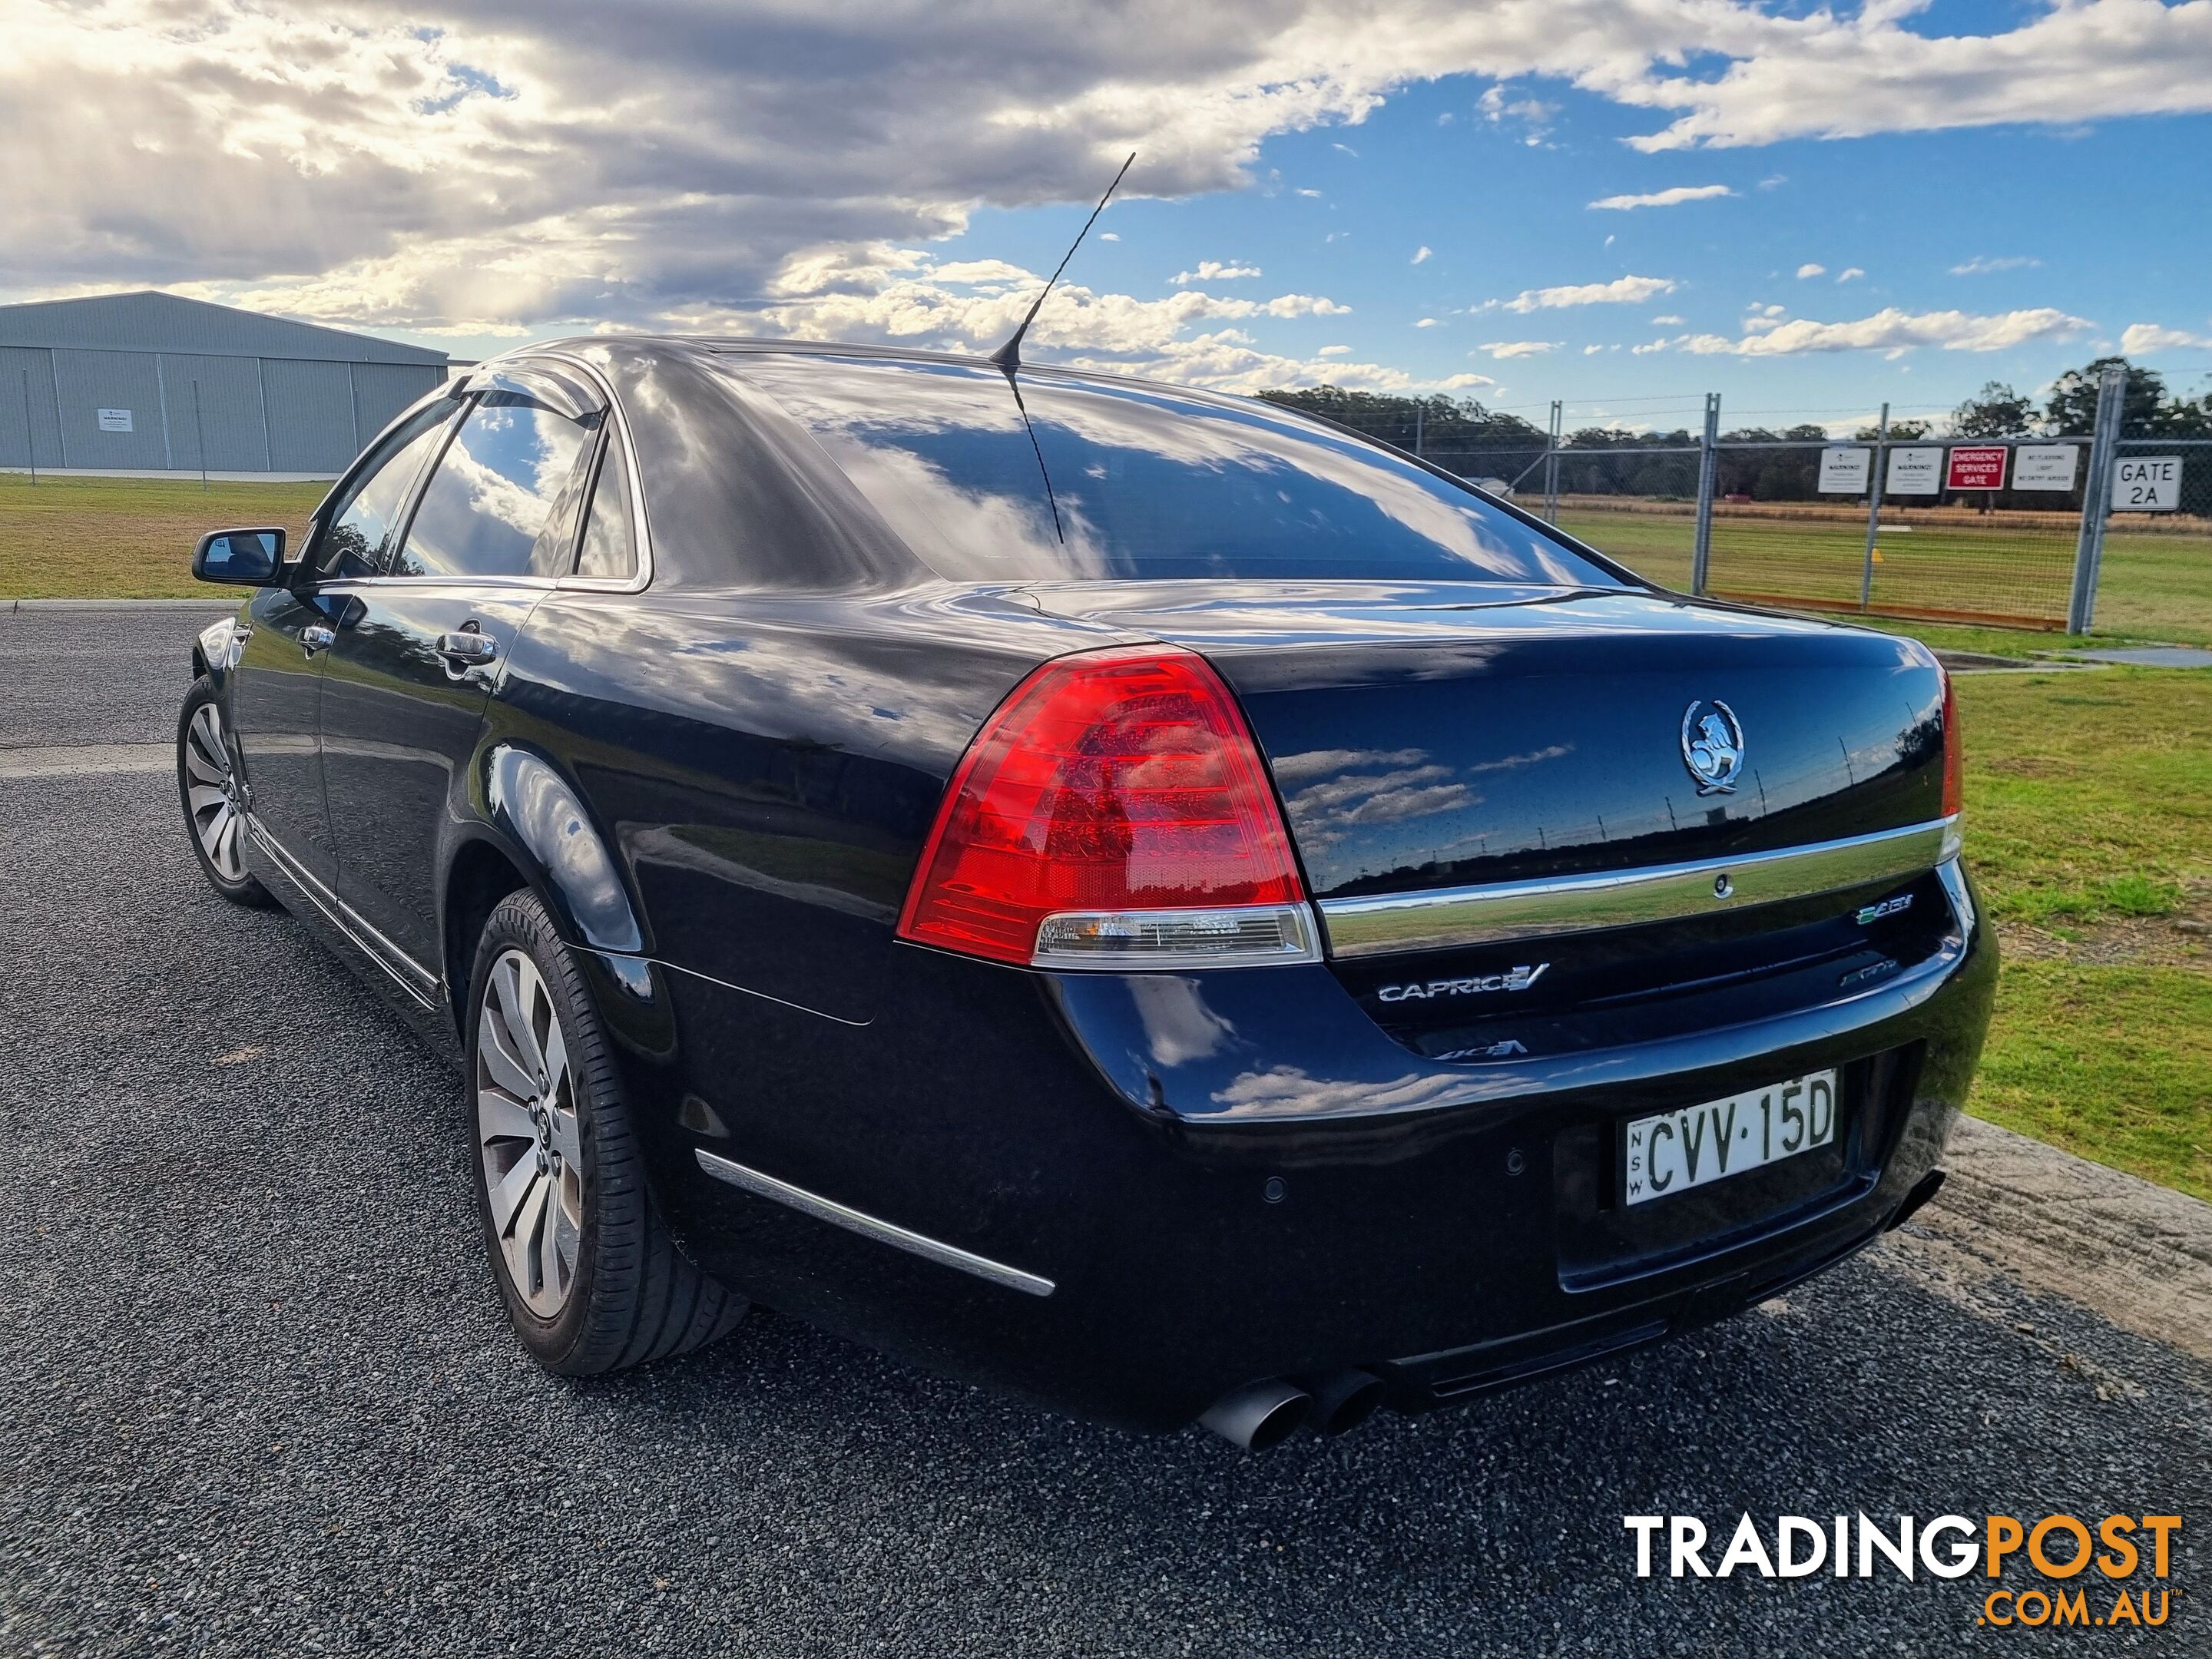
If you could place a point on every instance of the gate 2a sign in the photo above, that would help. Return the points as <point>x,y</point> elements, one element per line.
<point>1977,467</point>
<point>2147,483</point>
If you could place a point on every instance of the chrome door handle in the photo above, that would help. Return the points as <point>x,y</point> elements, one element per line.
<point>467,649</point>
<point>316,637</point>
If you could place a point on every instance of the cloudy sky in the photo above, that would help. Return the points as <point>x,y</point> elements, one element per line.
<point>1622,204</point>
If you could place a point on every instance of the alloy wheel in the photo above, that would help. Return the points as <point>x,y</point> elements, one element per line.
<point>211,794</point>
<point>528,1133</point>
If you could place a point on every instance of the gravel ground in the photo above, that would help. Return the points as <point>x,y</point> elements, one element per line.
<point>256,1396</point>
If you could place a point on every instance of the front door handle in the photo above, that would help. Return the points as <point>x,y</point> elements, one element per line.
<point>467,649</point>
<point>317,636</point>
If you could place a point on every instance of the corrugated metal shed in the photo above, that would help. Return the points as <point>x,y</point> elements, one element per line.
<point>146,382</point>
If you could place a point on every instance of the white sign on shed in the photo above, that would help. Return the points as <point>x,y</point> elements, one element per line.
<point>1916,471</point>
<point>113,420</point>
<point>2045,466</point>
<point>2146,484</point>
<point>1845,468</point>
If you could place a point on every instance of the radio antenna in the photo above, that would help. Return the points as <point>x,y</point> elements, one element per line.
<point>1009,356</point>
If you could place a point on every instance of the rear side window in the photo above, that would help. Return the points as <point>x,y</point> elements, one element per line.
<point>1083,480</point>
<point>610,546</point>
<point>501,502</point>
<point>362,527</point>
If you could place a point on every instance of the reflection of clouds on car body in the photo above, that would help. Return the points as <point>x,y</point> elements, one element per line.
<point>1415,788</point>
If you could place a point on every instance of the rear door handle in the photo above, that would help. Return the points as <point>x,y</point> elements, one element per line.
<point>467,649</point>
<point>316,637</point>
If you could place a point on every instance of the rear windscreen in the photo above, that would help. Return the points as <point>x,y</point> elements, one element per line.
<point>1078,481</point>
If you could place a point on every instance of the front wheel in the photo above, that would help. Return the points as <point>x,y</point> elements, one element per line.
<point>590,1276</point>
<point>207,783</point>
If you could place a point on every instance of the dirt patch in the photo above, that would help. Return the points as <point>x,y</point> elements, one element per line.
<point>2139,1255</point>
<point>2182,941</point>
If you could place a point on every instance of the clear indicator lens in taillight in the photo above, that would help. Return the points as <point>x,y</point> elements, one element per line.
<point>1953,753</point>
<point>1115,811</point>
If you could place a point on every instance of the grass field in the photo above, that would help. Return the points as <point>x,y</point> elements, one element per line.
<point>2088,799</point>
<point>127,537</point>
<point>2154,587</point>
<point>2089,822</point>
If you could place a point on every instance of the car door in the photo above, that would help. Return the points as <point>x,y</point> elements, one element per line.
<point>276,697</point>
<point>422,642</point>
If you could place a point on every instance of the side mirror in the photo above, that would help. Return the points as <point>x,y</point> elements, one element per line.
<point>243,558</point>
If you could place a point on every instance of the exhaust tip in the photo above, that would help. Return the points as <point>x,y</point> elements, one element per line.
<point>1927,1186</point>
<point>1344,1400</point>
<point>1259,1415</point>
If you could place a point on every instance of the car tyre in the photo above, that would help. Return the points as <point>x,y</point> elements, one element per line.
<point>207,788</point>
<point>591,1280</point>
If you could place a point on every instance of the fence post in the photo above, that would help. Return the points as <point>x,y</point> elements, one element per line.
<point>30,438</point>
<point>1874,508</point>
<point>1551,469</point>
<point>199,435</point>
<point>2096,498</point>
<point>1701,546</point>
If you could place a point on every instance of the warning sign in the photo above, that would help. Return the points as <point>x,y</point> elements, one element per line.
<point>1979,467</point>
<point>1846,470</point>
<point>1916,470</point>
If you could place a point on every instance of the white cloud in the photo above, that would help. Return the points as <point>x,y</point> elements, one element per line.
<point>1592,350</point>
<point>1335,351</point>
<point>2141,338</point>
<point>1422,253</point>
<point>1808,268</point>
<point>1622,290</point>
<point>1894,331</point>
<point>1214,270</point>
<point>1533,112</point>
<point>1503,350</point>
<point>1666,322</point>
<point>1829,75</point>
<point>1670,197</point>
<point>1110,235</point>
<point>497,168</point>
<point>1428,322</point>
<point>1850,274</point>
<point>1979,265</point>
<point>1646,350</point>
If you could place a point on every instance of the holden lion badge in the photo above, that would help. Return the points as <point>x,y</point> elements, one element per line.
<point>1712,746</point>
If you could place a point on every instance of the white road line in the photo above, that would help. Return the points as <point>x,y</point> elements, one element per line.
<point>91,759</point>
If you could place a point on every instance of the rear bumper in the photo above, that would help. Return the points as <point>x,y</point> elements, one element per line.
<point>1231,1175</point>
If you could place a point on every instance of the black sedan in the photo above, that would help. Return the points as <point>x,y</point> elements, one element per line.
<point>1132,896</point>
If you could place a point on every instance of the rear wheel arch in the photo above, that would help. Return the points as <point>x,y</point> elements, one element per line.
<point>480,875</point>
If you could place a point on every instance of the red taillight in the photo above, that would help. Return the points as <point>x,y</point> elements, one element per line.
<point>1954,754</point>
<point>1111,786</point>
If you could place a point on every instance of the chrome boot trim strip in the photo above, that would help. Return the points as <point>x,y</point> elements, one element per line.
<point>1627,898</point>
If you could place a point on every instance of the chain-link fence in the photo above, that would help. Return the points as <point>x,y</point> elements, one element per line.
<point>2004,530</point>
<point>1892,534</point>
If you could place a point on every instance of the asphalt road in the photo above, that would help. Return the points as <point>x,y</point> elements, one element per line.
<point>256,1396</point>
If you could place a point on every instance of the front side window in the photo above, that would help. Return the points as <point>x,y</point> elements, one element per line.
<point>364,527</point>
<point>501,502</point>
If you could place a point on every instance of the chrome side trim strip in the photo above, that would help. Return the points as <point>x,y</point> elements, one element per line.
<point>1628,898</point>
<point>839,1215</point>
<point>411,976</point>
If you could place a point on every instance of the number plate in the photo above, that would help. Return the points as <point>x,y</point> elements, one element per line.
<point>1694,1146</point>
